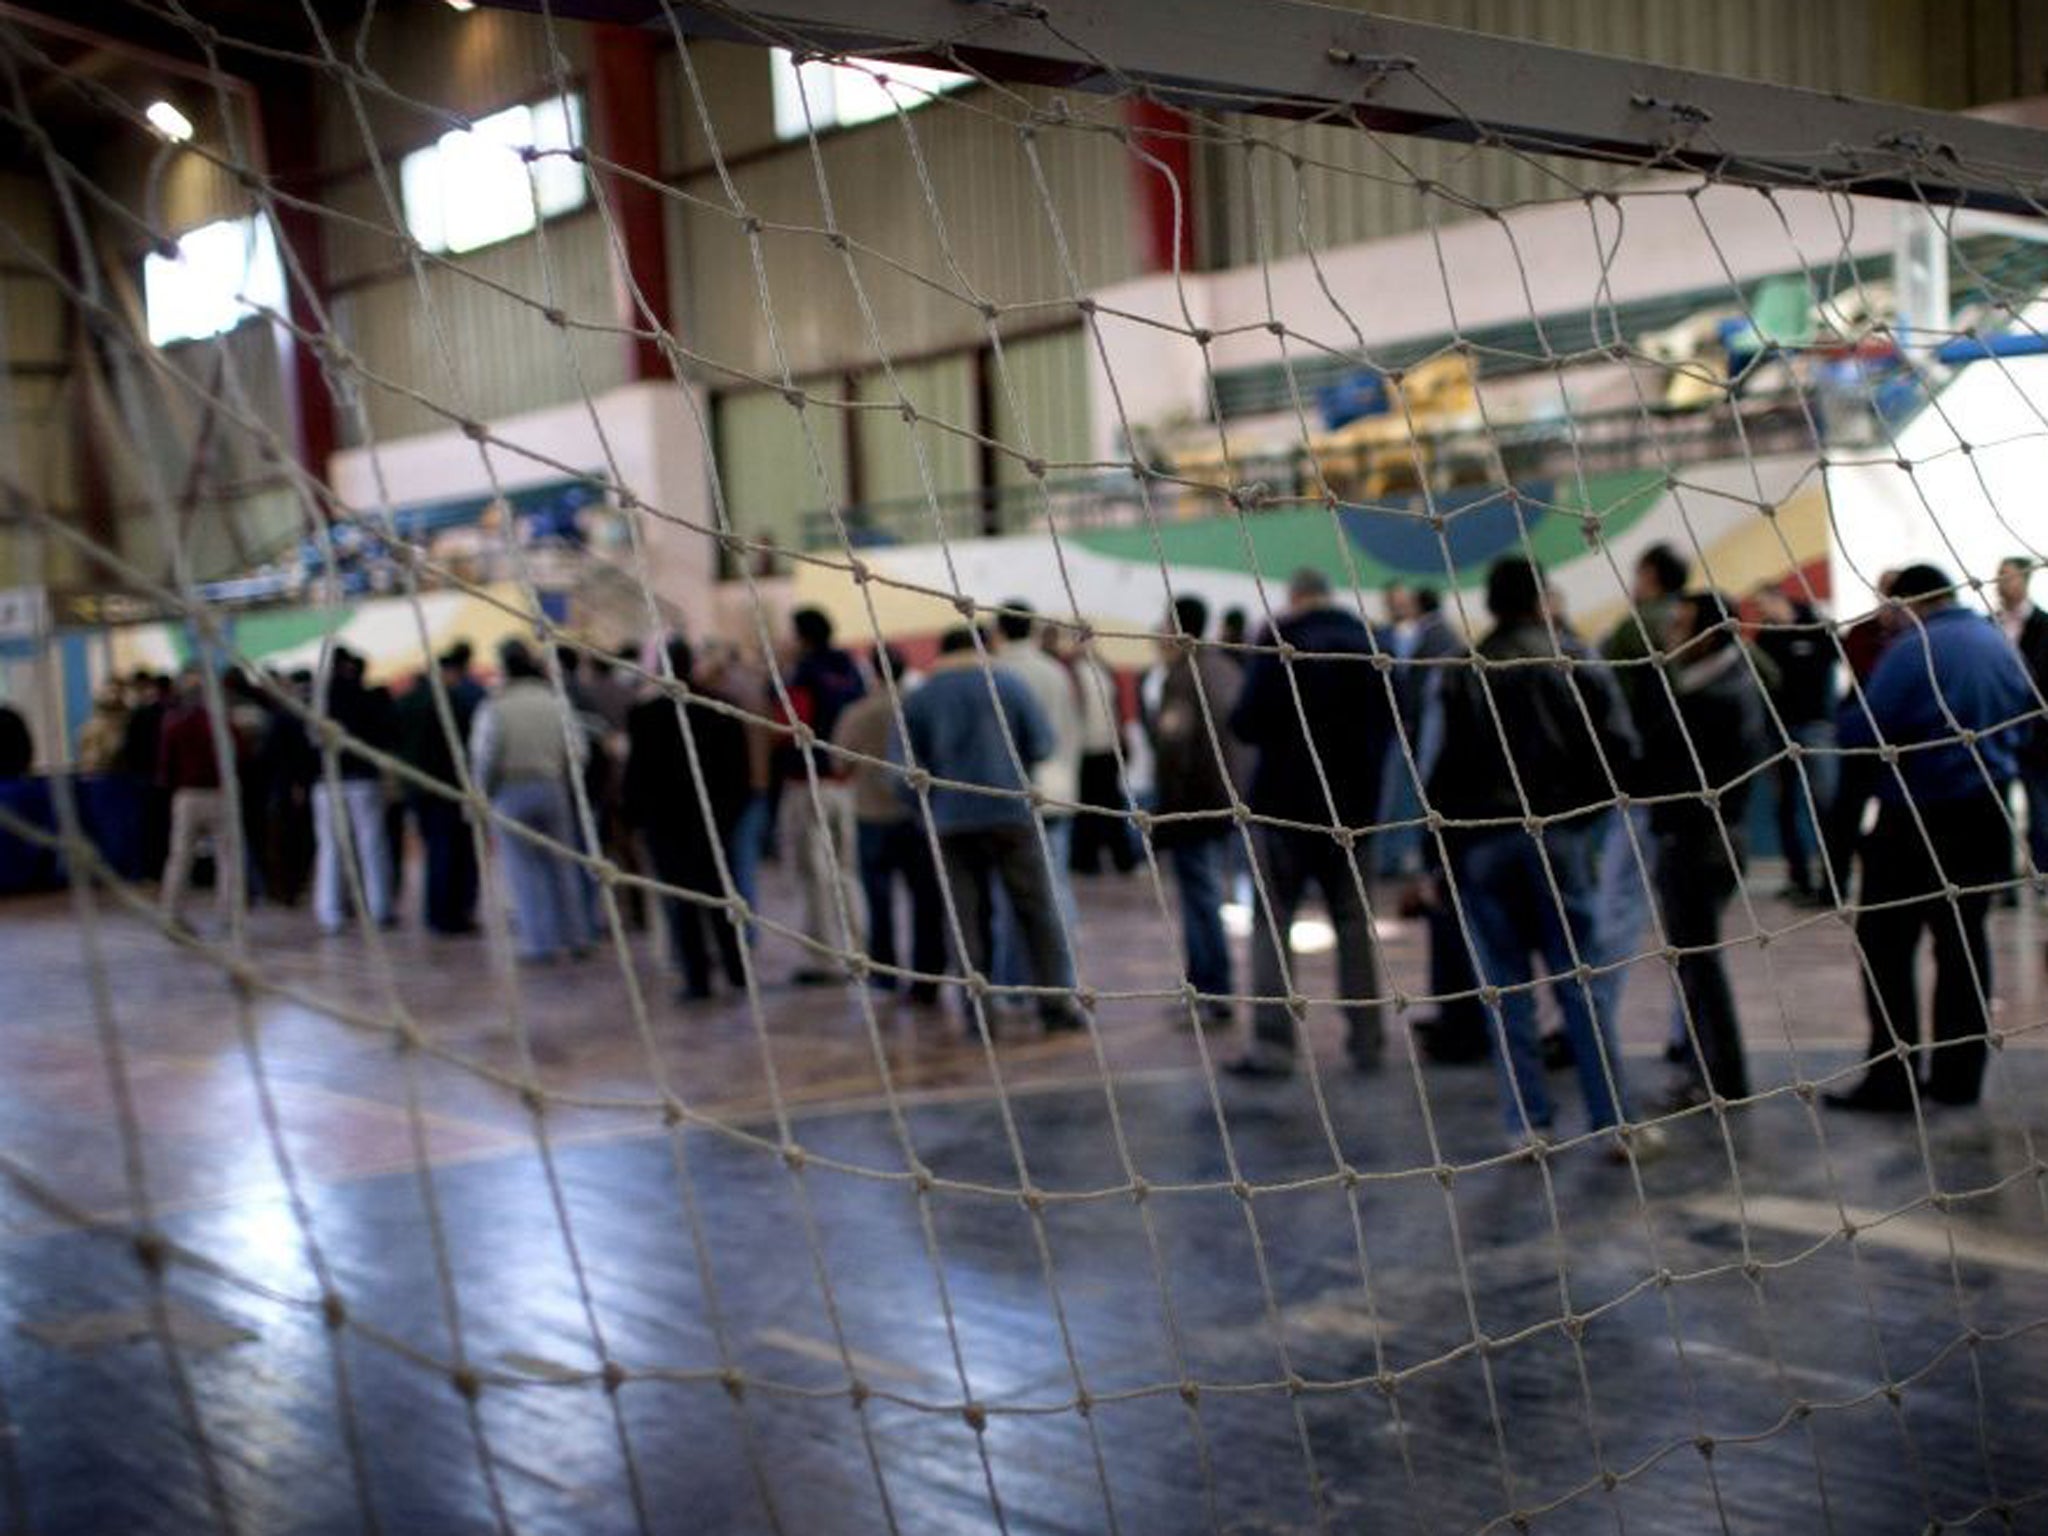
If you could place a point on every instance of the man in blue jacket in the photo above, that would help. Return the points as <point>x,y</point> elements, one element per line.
<point>978,727</point>
<point>1321,721</point>
<point>1951,696</point>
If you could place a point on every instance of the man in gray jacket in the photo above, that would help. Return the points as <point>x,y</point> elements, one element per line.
<point>522,757</point>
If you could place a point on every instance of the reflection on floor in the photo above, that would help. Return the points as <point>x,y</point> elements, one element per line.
<point>835,1298</point>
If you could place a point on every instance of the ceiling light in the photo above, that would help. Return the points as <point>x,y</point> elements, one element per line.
<point>169,121</point>
<point>461,5</point>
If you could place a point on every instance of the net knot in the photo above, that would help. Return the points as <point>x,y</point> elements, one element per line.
<point>613,1375</point>
<point>975,1416</point>
<point>467,1384</point>
<point>1677,111</point>
<point>1190,1392</point>
<point>671,1113</point>
<point>151,1252</point>
<point>734,1383</point>
<point>333,1310</point>
<point>1704,1444</point>
<point>794,1156</point>
<point>1141,1189</point>
<point>535,1101</point>
<point>1242,1189</point>
<point>857,1393</point>
<point>1033,1200</point>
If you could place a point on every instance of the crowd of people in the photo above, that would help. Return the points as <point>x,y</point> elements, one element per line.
<point>1557,810</point>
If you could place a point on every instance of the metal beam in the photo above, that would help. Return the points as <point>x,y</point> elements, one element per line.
<point>1285,58</point>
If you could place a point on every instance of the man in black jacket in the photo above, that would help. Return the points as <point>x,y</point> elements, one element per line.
<point>1320,718</point>
<point>2026,626</point>
<point>1706,735</point>
<point>1802,646</point>
<point>425,743</point>
<point>666,797</point>
<point>1196,773</point>
<point>1528,892</point>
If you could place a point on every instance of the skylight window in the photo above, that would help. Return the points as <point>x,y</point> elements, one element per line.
<point>221,275</point>
<point>474,186</point>
<point>839,95</point>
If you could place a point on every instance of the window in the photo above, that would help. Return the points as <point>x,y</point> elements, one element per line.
<point>221,274</point>
<point>473,186</point>
<point>858,91</point>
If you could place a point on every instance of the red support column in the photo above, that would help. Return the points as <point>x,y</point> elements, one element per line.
<point>291,151</point>
<point>1166,216</point>
<point>627,132</point>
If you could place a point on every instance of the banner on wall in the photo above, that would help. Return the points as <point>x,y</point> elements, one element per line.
<point>1587,535</point>
<point>385,631</point>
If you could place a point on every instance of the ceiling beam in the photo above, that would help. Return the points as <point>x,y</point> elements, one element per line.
<point>1296,60</point>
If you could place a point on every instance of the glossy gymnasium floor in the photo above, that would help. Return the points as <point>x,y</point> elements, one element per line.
<point>1405,1330</point>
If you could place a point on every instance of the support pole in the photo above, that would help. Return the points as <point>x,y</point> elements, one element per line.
<point>627,132</point>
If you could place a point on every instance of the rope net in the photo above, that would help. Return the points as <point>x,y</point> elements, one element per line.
<point>1578,506</point>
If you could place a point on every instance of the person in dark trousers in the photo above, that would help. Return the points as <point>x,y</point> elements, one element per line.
<point>290,766</point>
<point>667,796</point>
<point>1801,646</point>
<point>892,845</point>
<point>1706,735</point>
<point>1457,1030</point>
<point>1941,827</point>
<point>141,746</point>
<point>1856,778</point>
<point>2026,629</point>
<point>1537,728</point>
<point>449,903</point>
<point>17,746</point>
<point>348,817</point>
<point>1197,775</point>
<point>1321,718</point>
<point>973,724</point>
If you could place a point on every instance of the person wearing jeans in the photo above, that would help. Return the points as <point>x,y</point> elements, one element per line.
<point>522,757</point>
<point>547,892</point>
<point>1515,915</point>
<point>1524,740</point>
<point>352,810</point>
<point>891,846</point>
<point>350,803</point>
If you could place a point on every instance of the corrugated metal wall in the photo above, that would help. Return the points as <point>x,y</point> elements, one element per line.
<point>35,427</point>
<point>485,312</point>
<point>767,467</point>
<point>984,230</point>
<point>889,447</point>
<point>1048,418</point>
